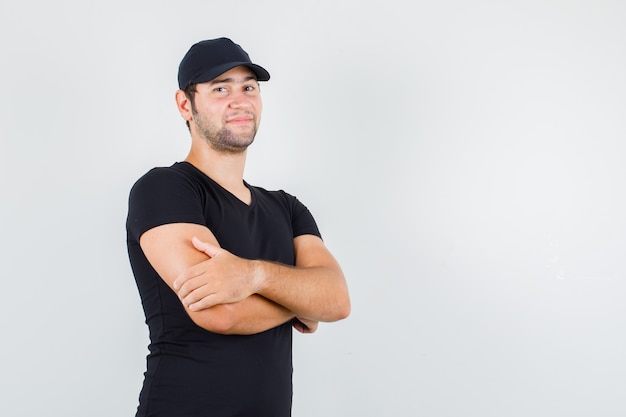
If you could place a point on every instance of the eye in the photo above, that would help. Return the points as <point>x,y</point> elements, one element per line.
<point>220,89</point>
<point>249,88</point>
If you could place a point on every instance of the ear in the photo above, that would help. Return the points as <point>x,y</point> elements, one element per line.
<point>184,105</point>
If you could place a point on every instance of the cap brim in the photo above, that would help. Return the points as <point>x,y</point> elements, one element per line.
<point>260,72</point>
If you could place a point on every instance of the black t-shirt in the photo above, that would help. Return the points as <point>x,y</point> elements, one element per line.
<point>191,371</point>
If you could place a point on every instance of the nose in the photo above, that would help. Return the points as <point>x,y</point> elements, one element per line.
<point>240,100</point>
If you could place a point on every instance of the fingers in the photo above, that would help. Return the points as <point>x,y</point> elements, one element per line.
<point>304,325</point>
<point>205,247</point>
<point>196,295</point>
<point>222,279</point>
<point>204,297</point>
<point>189,274</point>
<point>203,303</point>
<point>192,299</point>
<point>182,279</point>
<point>199,288</point>
<point>298,325</point>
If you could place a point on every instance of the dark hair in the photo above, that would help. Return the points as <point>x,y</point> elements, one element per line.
<point>190,93</point>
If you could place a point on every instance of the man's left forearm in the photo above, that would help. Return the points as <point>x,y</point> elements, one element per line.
<point>315,288</point>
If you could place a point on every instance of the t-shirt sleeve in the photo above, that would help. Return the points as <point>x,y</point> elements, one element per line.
<point>163,196</point>
<point>302,221</point>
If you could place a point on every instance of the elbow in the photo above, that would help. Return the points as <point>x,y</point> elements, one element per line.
<point>222,327</point>
<point>215,319</point>
<point>343,305</point>
<point>344,310</point>
<point>341,310</point>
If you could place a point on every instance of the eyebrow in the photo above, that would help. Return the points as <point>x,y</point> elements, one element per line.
<point>232,80</point>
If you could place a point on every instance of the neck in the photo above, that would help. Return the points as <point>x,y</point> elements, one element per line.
<point>226,169</point>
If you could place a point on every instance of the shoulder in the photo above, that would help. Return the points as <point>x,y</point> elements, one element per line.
<point>165,195</point>
<point>282,198</point>
<point>280,195</point>
<point>161,179</point>
<point>177,171</point>
<point>301,219</point>
<point>276,197</point>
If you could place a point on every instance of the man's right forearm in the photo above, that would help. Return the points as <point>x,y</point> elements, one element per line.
<point>254,314</point>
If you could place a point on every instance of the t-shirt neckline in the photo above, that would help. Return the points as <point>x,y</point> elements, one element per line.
<point>233,196</point>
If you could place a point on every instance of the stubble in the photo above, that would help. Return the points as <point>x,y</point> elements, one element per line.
<point>223,139</point>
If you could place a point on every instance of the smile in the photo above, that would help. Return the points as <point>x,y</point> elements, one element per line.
<point>240,120</point>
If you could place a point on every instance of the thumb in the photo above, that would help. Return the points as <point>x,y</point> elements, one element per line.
<point>205,247</point>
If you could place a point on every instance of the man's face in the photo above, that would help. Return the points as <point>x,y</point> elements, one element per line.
<point>226,111</point>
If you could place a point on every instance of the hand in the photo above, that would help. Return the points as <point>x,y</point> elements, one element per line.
<point>304,325</point>
<point>222,279</point>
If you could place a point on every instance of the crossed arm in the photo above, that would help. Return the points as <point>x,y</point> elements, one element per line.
<point>227,294</point>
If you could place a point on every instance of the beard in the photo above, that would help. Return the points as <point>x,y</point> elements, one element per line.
<point>223,139</point>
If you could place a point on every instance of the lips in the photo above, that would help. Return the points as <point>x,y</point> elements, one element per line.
<point>239,119</point>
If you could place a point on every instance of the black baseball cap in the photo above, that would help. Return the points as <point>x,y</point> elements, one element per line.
<point>207,59</point>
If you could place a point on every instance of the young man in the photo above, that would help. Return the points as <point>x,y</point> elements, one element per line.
<point>224,269</point>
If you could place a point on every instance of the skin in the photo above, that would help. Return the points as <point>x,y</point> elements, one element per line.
<point>220,291</point>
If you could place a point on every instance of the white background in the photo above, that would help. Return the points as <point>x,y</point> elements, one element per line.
<point>464,161</point>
